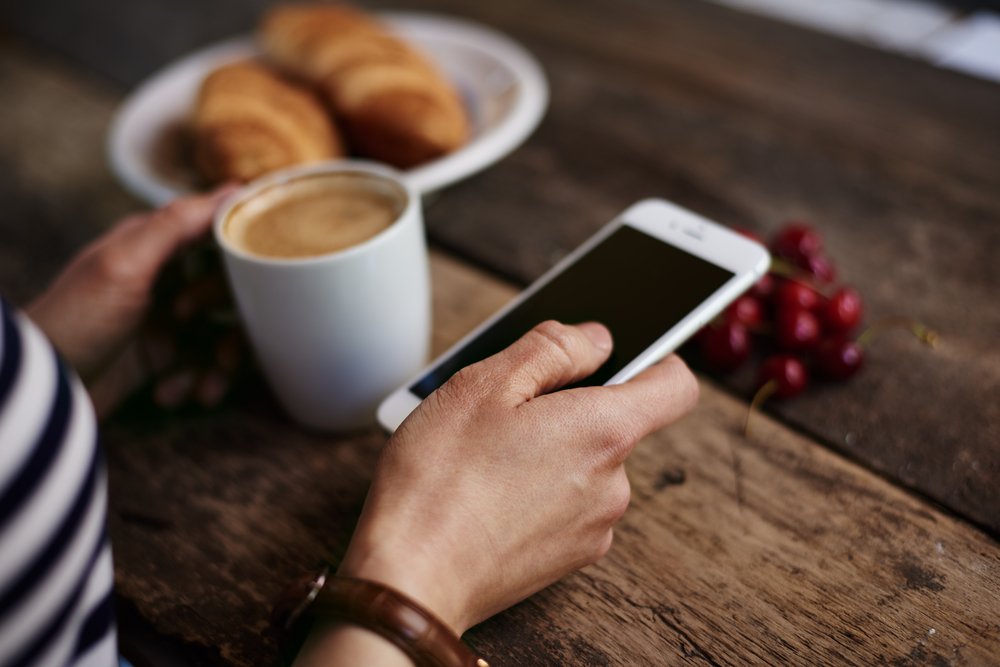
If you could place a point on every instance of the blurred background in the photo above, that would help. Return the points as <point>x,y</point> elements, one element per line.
<point>126,40</point>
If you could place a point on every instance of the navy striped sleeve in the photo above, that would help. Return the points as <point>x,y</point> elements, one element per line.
<point>56,573</point>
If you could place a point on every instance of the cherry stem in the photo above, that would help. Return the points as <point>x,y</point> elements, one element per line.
<point>762,395</point>
<point>782,267</point>
<point>926,335</point>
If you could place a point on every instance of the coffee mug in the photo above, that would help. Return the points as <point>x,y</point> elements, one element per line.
<point>334,331</point>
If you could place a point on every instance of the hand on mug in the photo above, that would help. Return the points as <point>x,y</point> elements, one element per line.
<point>94,309</point>
<point>497,485</point>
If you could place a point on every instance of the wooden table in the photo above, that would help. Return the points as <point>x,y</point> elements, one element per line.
<point>858,527</point>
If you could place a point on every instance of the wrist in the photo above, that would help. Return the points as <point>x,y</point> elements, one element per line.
<point>410,570</point>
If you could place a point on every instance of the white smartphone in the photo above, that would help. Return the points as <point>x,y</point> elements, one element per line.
<point>654,276</point>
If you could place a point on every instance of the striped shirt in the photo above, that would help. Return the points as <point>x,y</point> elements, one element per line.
<point>56,575</point>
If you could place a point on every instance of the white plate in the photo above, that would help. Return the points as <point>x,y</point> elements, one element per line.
<point>503,86</point>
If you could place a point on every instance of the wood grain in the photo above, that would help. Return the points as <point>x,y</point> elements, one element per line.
<point>743,119</point>
<point>733,552</point>
<point>753,123</point>
<point>772,551</point>
<point>768,551</point>
<point>55,191</point>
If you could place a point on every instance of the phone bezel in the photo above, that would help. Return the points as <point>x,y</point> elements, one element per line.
<point>663,220</point>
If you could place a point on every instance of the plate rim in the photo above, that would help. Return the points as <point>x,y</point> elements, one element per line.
<point>483,151</point>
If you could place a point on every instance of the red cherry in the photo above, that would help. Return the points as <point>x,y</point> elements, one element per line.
<point>750,234</point>
<point>839,358</point>
<point>819,266</point>
<point>764,288</point>
<point>842,311</point>
<point>725,346</point>
<point>793,295</point>
<point>787,370</point>
<point>796,330</point>
<point>746,309</point>
<point>796,241</point>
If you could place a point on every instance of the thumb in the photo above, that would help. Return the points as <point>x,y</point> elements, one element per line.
<point>551,356</point>
<point>165,231</point>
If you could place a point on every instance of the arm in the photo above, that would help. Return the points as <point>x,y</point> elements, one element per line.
<point>491,490</point>
<point>495,488</point>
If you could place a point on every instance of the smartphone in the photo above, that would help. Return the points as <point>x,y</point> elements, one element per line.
<point>654,275</point>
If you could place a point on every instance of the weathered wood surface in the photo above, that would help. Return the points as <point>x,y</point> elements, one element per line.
<point>769,552</point>
<point>55,192</point>
<point>753,123</point>
<point>745,120</point>
<point>772,551</point>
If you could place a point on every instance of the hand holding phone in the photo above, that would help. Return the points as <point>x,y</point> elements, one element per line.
<point>498,486</point>
<point>654,276</point>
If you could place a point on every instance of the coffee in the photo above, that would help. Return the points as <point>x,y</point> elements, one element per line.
<point>314,215</point>
<point>334,332</point>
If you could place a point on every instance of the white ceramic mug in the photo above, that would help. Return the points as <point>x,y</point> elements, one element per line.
<point>337,332</point>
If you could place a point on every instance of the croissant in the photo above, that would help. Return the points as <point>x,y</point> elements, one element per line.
<point>392,103</point>
<point>249,121</point>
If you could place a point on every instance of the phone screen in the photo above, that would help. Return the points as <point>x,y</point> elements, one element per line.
<point>635,284</point>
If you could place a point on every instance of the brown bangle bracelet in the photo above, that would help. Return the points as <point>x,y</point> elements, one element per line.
<point>421,635</point>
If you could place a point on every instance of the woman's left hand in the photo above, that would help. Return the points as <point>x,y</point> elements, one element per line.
<point>93,311</point>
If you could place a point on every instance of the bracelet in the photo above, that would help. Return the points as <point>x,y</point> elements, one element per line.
<point>421,635</point>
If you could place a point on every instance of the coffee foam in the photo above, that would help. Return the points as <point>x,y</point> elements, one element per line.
<point>314,215</point>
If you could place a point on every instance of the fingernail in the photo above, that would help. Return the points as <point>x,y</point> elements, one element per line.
<point>598,335</point>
